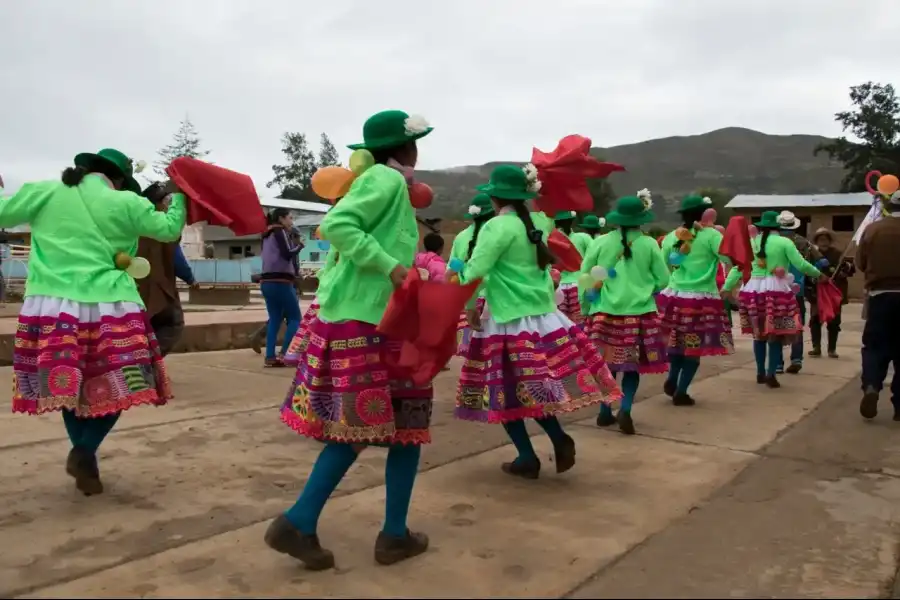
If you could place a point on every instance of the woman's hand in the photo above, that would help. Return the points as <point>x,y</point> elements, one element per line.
<point>398,275</point>
<point>473,317</point>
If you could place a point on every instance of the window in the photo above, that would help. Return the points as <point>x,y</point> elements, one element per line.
<point>313,257</point>
<point>235,252</point>
<point>804,226</point>
<point>842,223</point>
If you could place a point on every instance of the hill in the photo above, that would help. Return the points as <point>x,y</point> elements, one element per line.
<point>734,159</point>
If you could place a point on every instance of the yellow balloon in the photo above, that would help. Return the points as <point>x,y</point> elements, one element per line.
<point>888,184</point>
<point>139,267</point>
<point>361,160</point>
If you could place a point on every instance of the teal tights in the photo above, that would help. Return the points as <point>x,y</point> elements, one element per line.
<point>682,370</point>
<point>88,433</point>
<point>522,441</point>
<point>333,463</point>
<point>630,382</point>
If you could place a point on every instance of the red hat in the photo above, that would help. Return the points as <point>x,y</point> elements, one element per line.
<point>218,196</point>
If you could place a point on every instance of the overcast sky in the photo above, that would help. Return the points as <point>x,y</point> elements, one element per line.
<point>495,77</point>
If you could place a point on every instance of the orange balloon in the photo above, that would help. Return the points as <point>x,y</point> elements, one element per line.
<point>888,184</point>
<point>332,183</point>
<point>420,195</point>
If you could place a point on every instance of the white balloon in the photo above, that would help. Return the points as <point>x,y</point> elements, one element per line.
<point>599,273</point>
<point>560,296</point>
<point>139,267</point>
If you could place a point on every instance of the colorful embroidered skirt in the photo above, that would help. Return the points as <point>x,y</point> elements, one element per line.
<point>570,306</point>
<point>531,367</point>
<point>695,323</point>
<point>630,343</point>
<point>464,332</point>
<point>343,392</point>
<point>93,359</point>
<point>769,310</point>
<point>301,338</point>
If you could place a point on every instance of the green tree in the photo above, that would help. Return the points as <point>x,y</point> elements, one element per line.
<point>874,120</point>
<point>328,154</point>
<point>293,179</point>
<point>185,142</point>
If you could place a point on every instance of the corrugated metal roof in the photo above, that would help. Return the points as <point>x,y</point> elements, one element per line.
<point>300,205</point>
<point>799,200</point>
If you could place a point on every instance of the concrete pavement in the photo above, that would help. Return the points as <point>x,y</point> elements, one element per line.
<point>751,493</point>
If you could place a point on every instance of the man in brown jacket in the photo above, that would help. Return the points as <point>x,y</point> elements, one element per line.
<point>876,257</point>
<point>159,290</point>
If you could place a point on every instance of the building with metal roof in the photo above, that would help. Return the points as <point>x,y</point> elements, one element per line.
<point>799,201</point>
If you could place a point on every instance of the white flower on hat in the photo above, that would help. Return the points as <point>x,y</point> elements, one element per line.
<point>139,166</point>
<point>415,124</point>
<point>707,200</point>
<point>531,176</point>
<point>895,197</point>
<point>646,198</point>
<point>602,222</point>
<point>474,210</point>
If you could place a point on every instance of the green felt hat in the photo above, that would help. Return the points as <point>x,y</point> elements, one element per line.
<point>592,222</point>
<point>480,206</point>
<point>508,182</point>
<point>693,202</point>
<point>564,215</point>
<point>629,212</point>
<point>391,128</point>
<point>115,158</point>
<point>769,220</point>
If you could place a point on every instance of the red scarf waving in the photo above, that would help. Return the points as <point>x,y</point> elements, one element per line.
<point>736,246</point>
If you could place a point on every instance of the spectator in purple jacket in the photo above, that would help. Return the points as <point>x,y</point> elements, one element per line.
<point>277,282</point>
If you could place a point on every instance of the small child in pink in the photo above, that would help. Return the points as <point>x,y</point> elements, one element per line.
<point>430,260</point>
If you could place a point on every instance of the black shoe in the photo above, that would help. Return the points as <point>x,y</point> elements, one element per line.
<point>683,400</point>
<point>564,454</point>
<point>626,425</point>
<point>816,352</point>
<point>82,465</point>
<point>772,382</point>
<point>606,418</point>
<point>530,469</point>
<point>390,549</point>
<point>760,379</point>
<point>283,537</point>
<point>793,369</point>
<point>868,406</point>
<point>669,388</point>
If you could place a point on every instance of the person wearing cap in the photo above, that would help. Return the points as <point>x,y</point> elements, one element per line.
<point>876,258</point>
<point>693,312</point>
<point>342,393</point>
<point>526,359</point>
<point>592,225</point>
<point>788,225</point>
<point>840,269</point>
<point>159,290</point>
<point>480,210</point>
<point>567,298</point>
<point>768,306</point>
<point>622,320</point>
<point>85,345</point>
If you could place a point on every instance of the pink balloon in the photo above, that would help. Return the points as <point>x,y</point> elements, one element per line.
<point>779,272</point>
<point>420,195</point>
<point>709,216</point>
<point>795,287</point>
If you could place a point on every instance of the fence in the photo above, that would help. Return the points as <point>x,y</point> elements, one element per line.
<point>213,271</point>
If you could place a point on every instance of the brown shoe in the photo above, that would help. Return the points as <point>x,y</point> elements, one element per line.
<point>683,400</point>
<point>868,406</point>
<point>521,468</point>
<point>668,388</point>
<point>793,369</point>
<point>815,352</point>
<point>760,378</point>
<point>833,354</point>
<point>565,454</point>
<point>283,537</point>
<point>390,549</point>
<point>626,425</point>
<point>82,465</point>
<point>772,382</point>
<point>274,363</point>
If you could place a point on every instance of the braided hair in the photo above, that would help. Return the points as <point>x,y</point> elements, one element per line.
<point>689,217</point>
<point>626,247</point>
<point>543,255</point>
<point>479,221</point>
